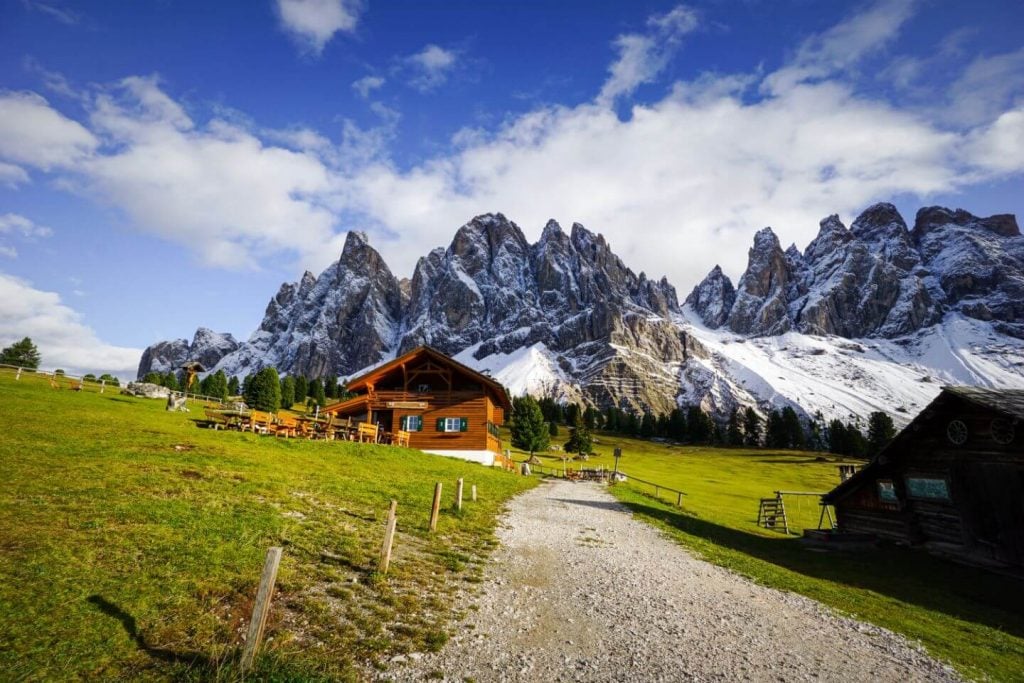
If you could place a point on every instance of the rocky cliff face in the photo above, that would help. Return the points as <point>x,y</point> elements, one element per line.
<point>566,316</point>
<point>877,278</point>
<point>207,347</point>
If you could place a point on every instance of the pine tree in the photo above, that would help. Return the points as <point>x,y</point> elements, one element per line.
<point>733,433</point>
<point>677,424</point>
<point>838,440</point>
<point>592,418</point>
<point>316,392</point>
<point>529,430</point>
<point>648,426</point>
<point>233,386</point>
<point>263,391</point>
<point>580,441</point>
<point>699,425</point>
<point>170,380</point>
<point>611,419</point>
<point>24,354</point>
<point>153,378</point>
<point>301,389</point>
<point>793,429</point>
<point>552,429</point>
<point>881,430</point>
<point>751,428</point>
<point>206,386</point>
<point>288,392</point>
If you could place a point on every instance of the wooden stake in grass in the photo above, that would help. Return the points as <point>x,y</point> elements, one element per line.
<point>261,608</point>
<point>472,493</point>
<point>436,509</point>
<point>389,538</point>
<point>458,494</point>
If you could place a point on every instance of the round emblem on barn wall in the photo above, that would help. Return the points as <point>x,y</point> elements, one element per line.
<point>957,432</point>
<point>1002,431</point>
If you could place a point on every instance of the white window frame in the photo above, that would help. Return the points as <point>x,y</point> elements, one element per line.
<point>452,424</point>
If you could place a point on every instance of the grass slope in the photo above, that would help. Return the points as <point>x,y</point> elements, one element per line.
<point>969,617</point>
<point>131,543</point>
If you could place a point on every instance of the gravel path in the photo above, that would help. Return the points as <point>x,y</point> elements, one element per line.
<point>580,591</point>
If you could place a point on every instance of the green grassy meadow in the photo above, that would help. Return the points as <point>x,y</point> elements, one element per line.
<point>969,617</point>
<point>131,543</point>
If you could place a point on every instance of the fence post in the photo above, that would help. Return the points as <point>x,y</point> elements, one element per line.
<point>389,538</point>
<point>458,494</point>
<point>679,500</point>
<point>472,493</point>
<point>261,608</point>
<point>436,508</point>
<point>103,384</point>
<point>18,374</point>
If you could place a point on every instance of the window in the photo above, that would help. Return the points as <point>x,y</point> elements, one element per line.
<point>411,423</point>
<point>452,424</point>
<point>886,491</point>
<point>927,488</point>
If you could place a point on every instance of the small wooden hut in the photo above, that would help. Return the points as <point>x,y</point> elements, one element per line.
<point>951,481</point>
<point>446,407</point>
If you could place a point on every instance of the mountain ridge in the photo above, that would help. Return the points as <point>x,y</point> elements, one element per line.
<point>566,317</point>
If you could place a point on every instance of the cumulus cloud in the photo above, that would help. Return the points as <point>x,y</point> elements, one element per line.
<point>33,133</point>
<point>64,340</point>
<point>988,85</point>
<point>367,84</point>
<point>642,56</point>
<point>313,23</point>
<point>430,67</point>
<point>680,184</point>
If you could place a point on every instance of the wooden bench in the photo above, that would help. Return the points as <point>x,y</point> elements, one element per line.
<point>367,433</point>
<point>258,422</point>
<point>285,426</point>
<point>215,420</point>
<point>401,439</point>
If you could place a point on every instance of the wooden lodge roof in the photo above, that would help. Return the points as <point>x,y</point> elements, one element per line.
<point>1009,402</point>
<point>363,382</point>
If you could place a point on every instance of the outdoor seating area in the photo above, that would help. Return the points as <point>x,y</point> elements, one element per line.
<point>312,427</point>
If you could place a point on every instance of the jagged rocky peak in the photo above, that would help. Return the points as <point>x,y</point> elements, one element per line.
<point>761,304</point>
<point>931,218</point>
<point>207,347</point>
<point>832,236</point>
<point>713,298</point>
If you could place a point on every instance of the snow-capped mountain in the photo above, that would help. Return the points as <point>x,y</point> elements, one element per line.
<point>207,347</point>
<point>876,316</point>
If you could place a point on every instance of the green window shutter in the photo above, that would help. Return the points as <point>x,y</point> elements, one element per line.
<point>463,424</point>
<point>402,423</point>
<point>440,424</point>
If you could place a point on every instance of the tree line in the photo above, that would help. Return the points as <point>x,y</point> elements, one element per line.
<point>536,422</point>
<point>262,390</point>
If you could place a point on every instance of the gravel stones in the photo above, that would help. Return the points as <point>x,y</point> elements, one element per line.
<point>580,591</point>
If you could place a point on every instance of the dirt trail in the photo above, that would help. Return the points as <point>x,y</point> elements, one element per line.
<point>580,591</point>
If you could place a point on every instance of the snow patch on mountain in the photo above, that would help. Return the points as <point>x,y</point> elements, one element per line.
<point>842,378</point>
<point>530,370</point>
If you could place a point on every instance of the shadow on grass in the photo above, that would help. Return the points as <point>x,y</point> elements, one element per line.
<point>191,659</point>
<point>910,576</point>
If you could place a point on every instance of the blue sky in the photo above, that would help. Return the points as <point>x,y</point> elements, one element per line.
<point>168,164</point>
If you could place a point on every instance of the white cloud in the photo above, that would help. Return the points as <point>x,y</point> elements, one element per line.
<point>843,45</point>
<point>314,22</point>
<point>999,148</point>
<point>12,222</point>
<point>33,133</point>
<point>986,88</point>
<point>12,176</point>
<point>430,67</point>
<point>643,56</point>
<point>367,84</point>
<point>64,341</point>
<point>26,228</point>
<point>62,15</point>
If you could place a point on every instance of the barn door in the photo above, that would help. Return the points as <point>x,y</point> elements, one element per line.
<point>995,497</point>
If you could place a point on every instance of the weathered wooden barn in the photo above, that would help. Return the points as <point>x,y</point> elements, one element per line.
<point>951,481</point>
<point>446,407</point>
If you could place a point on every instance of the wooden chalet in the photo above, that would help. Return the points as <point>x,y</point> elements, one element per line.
<point>446,407</point>
<point>951,481</point>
